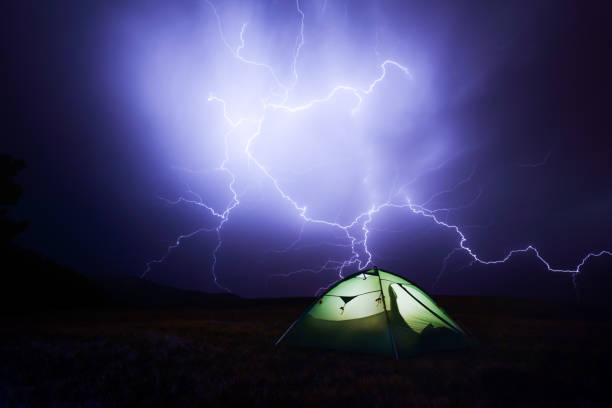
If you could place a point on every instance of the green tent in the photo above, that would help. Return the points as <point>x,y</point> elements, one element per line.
<point>376,312</point>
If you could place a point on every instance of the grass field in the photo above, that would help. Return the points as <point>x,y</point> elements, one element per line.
<point>530,354</point>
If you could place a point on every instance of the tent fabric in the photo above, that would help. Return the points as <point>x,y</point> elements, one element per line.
<point>376,312</point>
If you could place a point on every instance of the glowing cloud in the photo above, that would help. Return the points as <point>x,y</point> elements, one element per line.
<point>280,113</point>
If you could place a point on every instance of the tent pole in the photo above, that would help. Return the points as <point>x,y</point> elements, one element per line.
<point>382,293</point>
<point>285,333</point>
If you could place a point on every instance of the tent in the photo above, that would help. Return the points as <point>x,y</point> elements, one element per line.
<point>377,312</point>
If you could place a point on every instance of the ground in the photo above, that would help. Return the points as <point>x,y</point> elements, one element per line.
<point>530,354</point>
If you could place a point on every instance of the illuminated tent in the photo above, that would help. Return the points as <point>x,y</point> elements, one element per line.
<point>376,312</point>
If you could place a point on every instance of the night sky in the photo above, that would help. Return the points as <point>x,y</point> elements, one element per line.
<point>492,117</point>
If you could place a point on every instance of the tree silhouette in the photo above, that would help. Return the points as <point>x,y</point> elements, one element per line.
<point>29,280</point>
<point>10,192</point>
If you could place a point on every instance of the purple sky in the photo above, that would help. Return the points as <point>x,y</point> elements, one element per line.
<point>295,141</point>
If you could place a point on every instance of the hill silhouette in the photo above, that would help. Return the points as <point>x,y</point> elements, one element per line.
<point>132,291</point>
<point>30,280</point>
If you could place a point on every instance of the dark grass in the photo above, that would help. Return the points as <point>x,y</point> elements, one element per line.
<point>530,354</point>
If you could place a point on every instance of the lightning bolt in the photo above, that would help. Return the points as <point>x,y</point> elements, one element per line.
<point>420,210</point>
<point>355,233</point>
